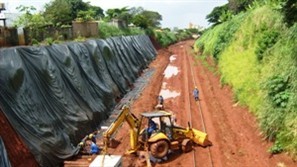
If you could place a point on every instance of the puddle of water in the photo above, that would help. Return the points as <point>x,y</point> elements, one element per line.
<point>172,58</point>
<point>169,94</point>
<point>170,71</point>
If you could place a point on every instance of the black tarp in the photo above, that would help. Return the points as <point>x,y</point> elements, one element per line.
<point>4,161</point>
<point>54,95</point>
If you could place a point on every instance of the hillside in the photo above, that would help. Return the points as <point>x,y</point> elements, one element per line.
<point>256,55</point>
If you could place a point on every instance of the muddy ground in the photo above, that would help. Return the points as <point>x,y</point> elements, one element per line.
<point>232,129</point>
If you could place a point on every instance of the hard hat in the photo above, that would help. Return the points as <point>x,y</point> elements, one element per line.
<point>81,144</point>
<point>91,135</point>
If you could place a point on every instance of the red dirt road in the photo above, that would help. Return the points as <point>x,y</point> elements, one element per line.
<point>231,128</point>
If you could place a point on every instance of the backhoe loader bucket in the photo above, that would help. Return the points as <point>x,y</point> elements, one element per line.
<point>200,138</point>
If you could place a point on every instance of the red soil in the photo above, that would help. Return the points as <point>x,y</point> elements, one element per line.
<point>18,153</point>
<point>232,129</point>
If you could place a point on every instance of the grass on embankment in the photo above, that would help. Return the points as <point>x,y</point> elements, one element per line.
<point>256,55</point>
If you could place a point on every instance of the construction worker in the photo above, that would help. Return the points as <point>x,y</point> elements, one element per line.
<point>92,136</point>
<point>161,99</point>
<point>196,94</point>
<point>151,128</point>
<point>88,144</point>
<point>92,148</point>
<point>89,147</point>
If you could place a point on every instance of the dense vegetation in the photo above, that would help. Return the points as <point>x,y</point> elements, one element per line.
<point>256,54</point>
<point>59,14</point>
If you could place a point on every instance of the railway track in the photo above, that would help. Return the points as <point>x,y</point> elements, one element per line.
<point>201,157</point>
<point>209,115</point>
<point>190,82</point>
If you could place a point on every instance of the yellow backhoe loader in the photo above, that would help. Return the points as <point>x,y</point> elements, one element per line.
<point>167,136</point>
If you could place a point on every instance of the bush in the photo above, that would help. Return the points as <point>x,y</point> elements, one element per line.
<point>185,34</point>
<point>277,89</point>
<point>49,41</point>
<point>200,47</point>
<point>268,39</point>
<point>34,42</point>
<point>106,30</point>
<point>133,31</point>
<point>165,37</point>
<point>278,112</point>
<point>276,148</point>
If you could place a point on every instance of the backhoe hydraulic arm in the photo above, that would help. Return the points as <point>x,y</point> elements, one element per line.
<point>133,123</point>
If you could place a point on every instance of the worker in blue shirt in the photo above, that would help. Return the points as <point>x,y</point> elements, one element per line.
<point>89,147</point>
<point>196,94</point>
<point>94,149</point>
<point>152,127</point>
<point>161,99</point>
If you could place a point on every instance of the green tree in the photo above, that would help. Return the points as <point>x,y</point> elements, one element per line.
<point>216,14</point>
<point>85,15</point>
<point>98,12</point>
<point>93,13</point>
<point>136,10</point>
<point>140,21</point>
<point>58,12</point>
<point>154,18</point>
<point>63,12</point>
<point>32,23</point>
<point>118,13</point>
<point>76,6</point>
<point>28,19</point>
<point>237,6</point>
<point>147,19</point>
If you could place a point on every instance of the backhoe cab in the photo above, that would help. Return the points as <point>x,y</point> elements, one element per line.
<point>166,136</point>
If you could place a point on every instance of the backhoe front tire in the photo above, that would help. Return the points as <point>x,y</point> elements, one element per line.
<point>187,145</point>
<point>159,149</point>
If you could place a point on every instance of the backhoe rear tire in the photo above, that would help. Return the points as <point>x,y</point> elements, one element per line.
<point>159,149</point>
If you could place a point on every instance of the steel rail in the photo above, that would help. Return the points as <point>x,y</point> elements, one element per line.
<point>199,108</point>
<point>188,108</point>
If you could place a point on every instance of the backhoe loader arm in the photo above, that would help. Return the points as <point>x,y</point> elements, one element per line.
<point>133,123</point>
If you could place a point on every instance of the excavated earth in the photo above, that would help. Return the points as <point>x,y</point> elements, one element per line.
<point>233,130</point>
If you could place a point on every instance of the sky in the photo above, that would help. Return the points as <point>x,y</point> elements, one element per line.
<point>175,13</point>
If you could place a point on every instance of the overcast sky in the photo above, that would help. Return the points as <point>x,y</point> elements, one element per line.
<point>175,13</point>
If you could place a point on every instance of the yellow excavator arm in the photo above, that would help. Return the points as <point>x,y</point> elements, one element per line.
<point>133,123</point>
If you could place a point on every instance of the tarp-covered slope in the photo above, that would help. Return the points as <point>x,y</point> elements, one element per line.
<point>54,95</point>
